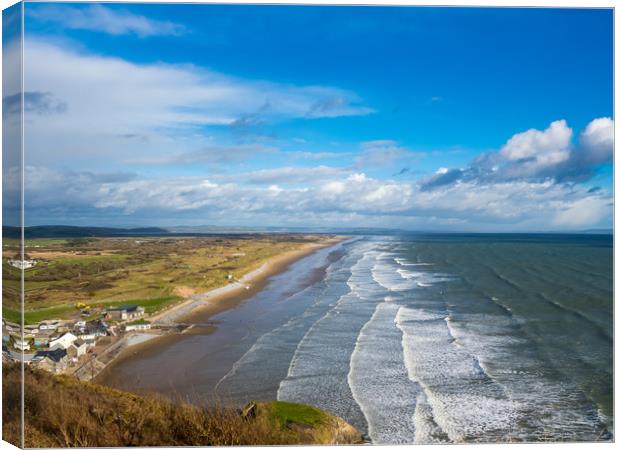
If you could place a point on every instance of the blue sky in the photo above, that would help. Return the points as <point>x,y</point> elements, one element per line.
<point>473,119</point>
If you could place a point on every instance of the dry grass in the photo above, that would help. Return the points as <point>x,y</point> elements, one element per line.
<point>64,412</point>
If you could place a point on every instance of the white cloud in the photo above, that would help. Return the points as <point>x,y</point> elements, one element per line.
<point>536,155</point>
<point>291,175</point>
<point>109,97</point>
<point>540,149</point>
<point>105,19</point>
<point>583,212</point>
<point>383,153</point>
<point>353,199</point>
<point>598,141</point>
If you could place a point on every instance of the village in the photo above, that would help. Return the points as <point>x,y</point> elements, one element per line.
<point>72,346</point>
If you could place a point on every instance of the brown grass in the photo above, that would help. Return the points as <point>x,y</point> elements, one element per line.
<point>63,412</point>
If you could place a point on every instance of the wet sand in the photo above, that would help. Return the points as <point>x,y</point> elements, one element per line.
<point>213,302</point>
<point>198,312</point>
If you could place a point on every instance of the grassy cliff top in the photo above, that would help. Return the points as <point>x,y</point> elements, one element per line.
<point>61,411</point>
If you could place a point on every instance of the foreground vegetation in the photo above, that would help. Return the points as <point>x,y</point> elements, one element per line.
<point>153,272</point>
<point>61,411</point>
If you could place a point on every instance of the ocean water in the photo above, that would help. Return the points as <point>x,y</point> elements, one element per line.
<point>429,339</point>
<point>419,339</point>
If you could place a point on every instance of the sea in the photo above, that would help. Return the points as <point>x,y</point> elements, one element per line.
<point>419,339</point>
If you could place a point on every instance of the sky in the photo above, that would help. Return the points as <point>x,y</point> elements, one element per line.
<point>418,118</point>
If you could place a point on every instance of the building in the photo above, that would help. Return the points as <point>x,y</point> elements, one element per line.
<point>63,341</point>
<point>77,349</point>
<point>49,325</point>
<point>126,312</point>
<point>32,329</point>
<point>22,345</point>
<point>25,264</point>
<point>137,326</point>
<point>92,330</point>
<point>41,341</point>
<point>11,326</point>
<point>55,360</point>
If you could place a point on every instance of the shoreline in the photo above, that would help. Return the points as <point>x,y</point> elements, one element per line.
<point>197,310</point>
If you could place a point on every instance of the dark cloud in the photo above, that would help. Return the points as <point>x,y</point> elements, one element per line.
<point>111,177</point>
<point>442,179</point>
<point>34,102</point>
<point>325,106</point>
<point>402,171</point>
<point>135,136</point>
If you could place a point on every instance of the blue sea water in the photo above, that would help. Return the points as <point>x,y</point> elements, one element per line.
<point>455,339</point>
<point>426,339</point>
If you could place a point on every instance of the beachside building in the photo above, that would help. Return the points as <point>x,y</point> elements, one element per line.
<point>54,361</point>
<point>41,341</point>
<point>49,325</point>
<point>77,349</point>
<point>22,345</point>
<point>126,312</point>
<point>63,341</point>
<point>137,327</point>
<point>11,326</point>
<point>31,329</point>
<point>92,330</point>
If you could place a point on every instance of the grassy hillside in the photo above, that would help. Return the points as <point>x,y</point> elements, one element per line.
<point>64,412</point>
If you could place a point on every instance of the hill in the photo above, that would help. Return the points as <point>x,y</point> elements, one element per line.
<point>61,411</point>
<point>68,231</point>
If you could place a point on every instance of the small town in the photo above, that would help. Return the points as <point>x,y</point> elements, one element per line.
<point>70,346</point>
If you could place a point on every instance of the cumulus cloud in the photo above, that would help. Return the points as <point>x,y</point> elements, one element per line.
<point>291,175</point>
<point>598,141</point>
<point>582,212</point>
<point>106,19</point>
<point>327,197</point>
<point>534,151</point>
<point>538,155</point>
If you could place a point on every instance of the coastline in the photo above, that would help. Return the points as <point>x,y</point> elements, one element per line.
<point>196,311</point>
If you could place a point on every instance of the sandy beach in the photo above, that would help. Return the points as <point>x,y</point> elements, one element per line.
<point>225,297</point>
<point>196,311</point>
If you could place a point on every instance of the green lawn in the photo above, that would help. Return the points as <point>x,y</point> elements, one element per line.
<point>285,413</point>
<point>31,317</point>
<point>35,316</point>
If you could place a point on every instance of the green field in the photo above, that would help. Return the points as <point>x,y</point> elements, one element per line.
<point>151,272</point>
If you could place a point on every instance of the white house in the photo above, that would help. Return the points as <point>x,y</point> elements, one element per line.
<point>138,326</point>
<point>49,325</point>
<point>77,349</point>
<point>21,345</point>
<point>25,264</point>
<point>126,312</point>
<point>63,341</point>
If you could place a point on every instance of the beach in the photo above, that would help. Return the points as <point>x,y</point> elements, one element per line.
<point>410,339</point>
<point>193,315</point>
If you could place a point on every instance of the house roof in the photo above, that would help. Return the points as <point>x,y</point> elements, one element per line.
<point>69,334</point>
<point>55,355</point>
<point>128,308</point>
